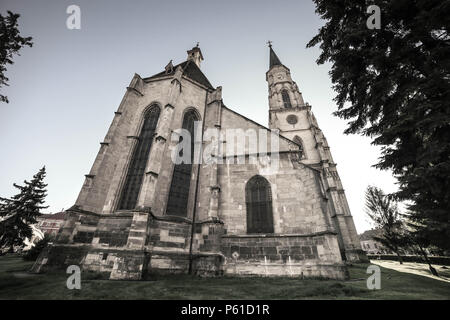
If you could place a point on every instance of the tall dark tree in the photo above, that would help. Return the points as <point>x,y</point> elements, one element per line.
<point>393,85</point>
<point>384,213</point>
<point>10,43</point>
<point>21,211</point>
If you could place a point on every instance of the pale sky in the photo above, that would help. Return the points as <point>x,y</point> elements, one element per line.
<point>64,90</point>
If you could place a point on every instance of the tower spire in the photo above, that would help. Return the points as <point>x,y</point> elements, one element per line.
<point>274,60</point>
<point>283,91</point>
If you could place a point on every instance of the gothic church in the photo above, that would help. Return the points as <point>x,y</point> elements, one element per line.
<point>140,213</point>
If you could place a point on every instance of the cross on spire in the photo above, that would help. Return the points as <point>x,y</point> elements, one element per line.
<point>269,43</point>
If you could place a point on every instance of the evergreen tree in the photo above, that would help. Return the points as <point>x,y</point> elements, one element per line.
<point>10,43</point>
<point>393,85</point>
<point>20,211</point>
<point>384,213</point>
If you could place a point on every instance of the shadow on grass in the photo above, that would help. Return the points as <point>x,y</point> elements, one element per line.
<point>395,285</point>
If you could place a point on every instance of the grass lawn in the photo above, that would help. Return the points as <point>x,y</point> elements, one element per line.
<point>416,268</point>
<point>17,283</point>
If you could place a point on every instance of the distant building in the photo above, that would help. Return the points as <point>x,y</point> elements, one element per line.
<point>370,245</point>
<point>50,223</point>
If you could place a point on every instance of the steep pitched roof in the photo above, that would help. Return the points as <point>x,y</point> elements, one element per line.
<point>190,70</point>
<point>274,60</point>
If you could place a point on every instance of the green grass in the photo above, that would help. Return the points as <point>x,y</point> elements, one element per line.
<point>17,283</point>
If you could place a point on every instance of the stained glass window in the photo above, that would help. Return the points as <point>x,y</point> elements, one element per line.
<point>136,169</point>
<point>181,179</point>
<point>258,197</point>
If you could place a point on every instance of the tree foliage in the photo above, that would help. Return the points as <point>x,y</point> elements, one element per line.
<point>21,211</point>
<point>384,213</point>
<point>35,251</point>
<point>393,85</point>
<point>10,44</point>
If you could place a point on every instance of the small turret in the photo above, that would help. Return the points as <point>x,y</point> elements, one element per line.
<point>195,54</point>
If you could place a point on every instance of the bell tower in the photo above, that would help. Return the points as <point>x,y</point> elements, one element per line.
<point>280,81</point>
<point>294,118</point>
<point>288,111</point>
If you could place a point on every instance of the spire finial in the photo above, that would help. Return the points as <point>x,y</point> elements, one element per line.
<point>198,43</point>
<point>269,43</point>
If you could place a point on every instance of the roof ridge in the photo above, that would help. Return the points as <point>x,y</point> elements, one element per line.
<point>196,74</point>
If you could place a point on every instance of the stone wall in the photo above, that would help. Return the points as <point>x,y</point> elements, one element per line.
<point>315,255</point>
<point>169,245</point>
<point>297,200</point>
<point>59,257</point>
<point>169,232</point>
<point>82,227</point>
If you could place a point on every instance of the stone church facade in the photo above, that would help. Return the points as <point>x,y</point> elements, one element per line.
<point>140,212</point>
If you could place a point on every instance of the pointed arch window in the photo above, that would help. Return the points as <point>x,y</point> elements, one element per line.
<point>301,151</point>
<point>177,202</point>
<point>286,99</point>
<point>136,169</point>
<point>258,198</point>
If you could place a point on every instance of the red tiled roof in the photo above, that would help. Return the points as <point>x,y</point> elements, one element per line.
<point>54,216</point>
<point>369,234</point>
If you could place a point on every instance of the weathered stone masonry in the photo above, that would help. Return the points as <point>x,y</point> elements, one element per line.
<point>313,230</point>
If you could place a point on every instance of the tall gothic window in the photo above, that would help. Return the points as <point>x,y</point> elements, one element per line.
<point>286,99</point>
<point>258,198</point>
<point>138,161</point>
<point>299,141</point>
<point>181,179</point>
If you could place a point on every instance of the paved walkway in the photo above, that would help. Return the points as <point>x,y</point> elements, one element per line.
<point>420,269</point>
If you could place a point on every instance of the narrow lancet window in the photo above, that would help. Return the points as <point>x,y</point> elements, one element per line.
<point>136,169</point>
<point>286,99</point>
<point>301,151</point>
<point>177,203</point>
<point>258,198</point>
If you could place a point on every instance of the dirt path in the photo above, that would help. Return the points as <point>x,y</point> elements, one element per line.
<point>415,268</point>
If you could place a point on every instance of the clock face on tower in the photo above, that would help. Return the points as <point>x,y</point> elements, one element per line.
<point>280,76</point>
